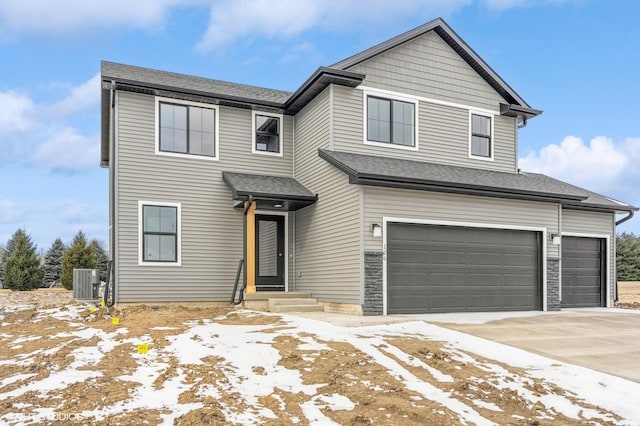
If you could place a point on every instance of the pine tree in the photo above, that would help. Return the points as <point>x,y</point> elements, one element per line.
<point>79,255</point>
<point>10,247</point>
<point>22,268</point>
<point>101,258</point>
<point>628,257</point>
<point>53,262</point>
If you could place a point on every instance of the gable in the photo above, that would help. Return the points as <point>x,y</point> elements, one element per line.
<point>427,66</point>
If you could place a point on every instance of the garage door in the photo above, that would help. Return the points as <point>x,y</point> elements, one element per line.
<point>433,268</point>
<point>583,272</point>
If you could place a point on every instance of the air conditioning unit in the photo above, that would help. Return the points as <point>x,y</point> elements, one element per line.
<point>85,284</point>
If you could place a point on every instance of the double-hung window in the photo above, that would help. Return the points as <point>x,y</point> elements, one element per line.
<point>391,121</point>
<point>267,133</point>
<point>187,128</point>
<point>481,141</point>
<point>159,233</point>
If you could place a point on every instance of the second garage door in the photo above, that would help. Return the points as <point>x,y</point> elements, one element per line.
<point>583,272</point>
<point>432,268</point>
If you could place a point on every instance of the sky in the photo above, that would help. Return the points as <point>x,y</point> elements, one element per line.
<point>575,60</point>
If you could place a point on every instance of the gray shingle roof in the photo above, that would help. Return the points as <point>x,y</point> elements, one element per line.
<point>266,187</point>
<point>384,171</point>
<point>170,80</point>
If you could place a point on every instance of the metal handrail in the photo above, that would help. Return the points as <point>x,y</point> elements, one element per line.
<point>235,286</point>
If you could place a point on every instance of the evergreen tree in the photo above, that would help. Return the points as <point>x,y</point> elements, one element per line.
<point>628,257</point>
<point>101,258</point>
<point>22,268</point>
<point>8,249</point>
<point>53,262</point>
<point>79,255</point>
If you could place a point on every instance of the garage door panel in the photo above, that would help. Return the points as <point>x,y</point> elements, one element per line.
<point>582,272</point>
<point>465,269</point>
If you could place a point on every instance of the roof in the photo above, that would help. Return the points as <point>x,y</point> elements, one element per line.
<point>411,174</point>
<point>452,39</point>
<point>269,191</point>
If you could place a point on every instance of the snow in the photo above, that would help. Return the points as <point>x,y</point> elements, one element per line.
<point>245,349</point>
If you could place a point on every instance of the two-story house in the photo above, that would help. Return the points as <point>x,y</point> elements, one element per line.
<point>386,183</point>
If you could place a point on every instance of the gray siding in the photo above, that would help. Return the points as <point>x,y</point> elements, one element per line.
<point>405,203</point>
<point>211,228</point>
<point>443,134</point>
<point>584,222</point>
<point>327,233</point>
<point>427,66</point>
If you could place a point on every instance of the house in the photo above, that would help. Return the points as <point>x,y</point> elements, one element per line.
<point>386,183</point>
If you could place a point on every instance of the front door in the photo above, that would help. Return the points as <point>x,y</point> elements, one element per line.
<point>270,255</point>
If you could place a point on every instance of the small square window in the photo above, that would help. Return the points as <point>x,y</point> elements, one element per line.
<point>267,136</point>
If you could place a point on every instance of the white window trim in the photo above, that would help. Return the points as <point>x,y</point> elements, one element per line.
<point>216,146</point>
<point>386,220</point>
<point>492,141</point>
<point>394,97</point>
<point>141,261</point>
<point>253,133</point>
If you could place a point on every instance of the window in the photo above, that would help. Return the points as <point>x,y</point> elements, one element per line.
<point>481,136</point>
<point>159,233</point>
<point>390,121</point>
<point>186,128</point>
<point>267,134</point>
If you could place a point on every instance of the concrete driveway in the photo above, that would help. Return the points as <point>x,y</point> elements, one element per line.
<point>606,340</point>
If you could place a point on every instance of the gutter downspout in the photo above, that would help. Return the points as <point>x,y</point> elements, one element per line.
<point>112,173</point>
<point>626,218</point>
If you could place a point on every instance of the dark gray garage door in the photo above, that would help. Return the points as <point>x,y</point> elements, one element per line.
<point>434,268</point>
<point>583,272</point>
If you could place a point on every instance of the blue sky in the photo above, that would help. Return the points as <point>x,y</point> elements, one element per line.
<point>576,60</point>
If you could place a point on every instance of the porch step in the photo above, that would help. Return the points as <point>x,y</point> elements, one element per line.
<point>307,304</point>
<point>266,295</point>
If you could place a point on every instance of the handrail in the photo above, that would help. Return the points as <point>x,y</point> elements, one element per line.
<point>235,286</point>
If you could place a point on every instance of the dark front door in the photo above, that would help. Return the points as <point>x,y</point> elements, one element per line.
<point>270,253</point>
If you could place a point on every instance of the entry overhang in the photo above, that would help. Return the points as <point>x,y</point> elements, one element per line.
<point>279,193</point>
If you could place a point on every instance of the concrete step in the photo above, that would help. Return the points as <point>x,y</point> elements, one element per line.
<point>266,295</point>
<point>297,308</point>
<point>294,301</point>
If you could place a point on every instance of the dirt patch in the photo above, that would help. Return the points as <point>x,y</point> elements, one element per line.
<point>628,294</point>
<point>145,364</point>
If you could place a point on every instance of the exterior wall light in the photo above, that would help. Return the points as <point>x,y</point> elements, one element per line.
<point>555,239</point>
<point>376,230</point>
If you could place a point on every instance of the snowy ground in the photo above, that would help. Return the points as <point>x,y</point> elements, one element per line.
<point>218,366</point>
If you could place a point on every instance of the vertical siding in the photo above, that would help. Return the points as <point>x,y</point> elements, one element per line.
<point>443,134</point>
<point>327,233</point>
<point>427,66</point>
<point>406,203</point>
<point>211,228</point>
<point>583,222</point>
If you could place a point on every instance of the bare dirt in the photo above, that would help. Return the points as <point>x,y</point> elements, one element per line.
<point>379,398</point>
<point>628,294</point>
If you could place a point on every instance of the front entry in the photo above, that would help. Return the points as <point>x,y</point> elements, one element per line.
<point>270,253</point>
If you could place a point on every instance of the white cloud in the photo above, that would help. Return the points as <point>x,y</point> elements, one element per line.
<point>600,166</point>
<point>10,211</point>
<point>81,98</point>
<point>68,150</point>
<point>16,112</point>
<point>282,19</point>
<point>67,17</point>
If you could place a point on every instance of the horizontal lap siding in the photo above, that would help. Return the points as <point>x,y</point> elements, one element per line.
<point>211,228</point>
<point>327,233</point>
<point>577,221</point>
<point>422,205</point>
<point>427,66</point>
<point>443,134</point>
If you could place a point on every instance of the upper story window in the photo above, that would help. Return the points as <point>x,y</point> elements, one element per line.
<point>186,128</point>
<point>159,233</point>
<point>391,121</point>
<point>267,133</point>
<point>481,144</point>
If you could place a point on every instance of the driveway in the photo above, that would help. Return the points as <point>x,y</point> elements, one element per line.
<point>606,340</point>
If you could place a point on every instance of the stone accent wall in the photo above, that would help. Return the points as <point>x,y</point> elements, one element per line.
<point>553,284</point>
<point>373,297</point>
